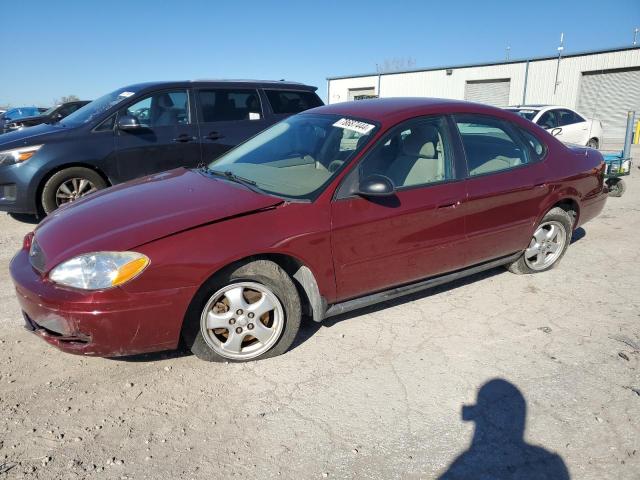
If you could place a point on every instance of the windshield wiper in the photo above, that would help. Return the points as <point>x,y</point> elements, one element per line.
<point>231,176</point>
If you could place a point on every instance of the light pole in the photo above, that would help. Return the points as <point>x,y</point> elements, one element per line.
<point>635,36</point>
<point>560,49</point>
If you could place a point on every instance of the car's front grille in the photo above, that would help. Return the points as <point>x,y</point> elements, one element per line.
<point>36,256</point>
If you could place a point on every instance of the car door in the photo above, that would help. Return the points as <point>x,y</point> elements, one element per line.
<point>167,137</point>
<point>381,242</point>
<point>228,117</point>
<point>506,185</point>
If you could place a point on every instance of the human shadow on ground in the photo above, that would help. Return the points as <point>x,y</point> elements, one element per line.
<point>498,450</point>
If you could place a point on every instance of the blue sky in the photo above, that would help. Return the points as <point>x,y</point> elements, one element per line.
<point>87,48</point>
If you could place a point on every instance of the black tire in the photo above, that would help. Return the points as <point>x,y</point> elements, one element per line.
<point>263,272</point>
<point>616,186</point>
<point>593,143</point>
<point>520,266</point>
<point>48,197</point>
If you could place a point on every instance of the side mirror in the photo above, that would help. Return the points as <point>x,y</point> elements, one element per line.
<point>127,122</point>
<point>555,131</point>
<point>376,186</point>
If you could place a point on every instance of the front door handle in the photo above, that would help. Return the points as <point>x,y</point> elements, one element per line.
<point>214,136</point>
<point>184,138</point>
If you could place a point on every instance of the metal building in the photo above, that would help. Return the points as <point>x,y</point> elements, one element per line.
<point>602,84</point>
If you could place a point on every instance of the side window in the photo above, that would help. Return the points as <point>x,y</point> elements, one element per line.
<point>415,153</point>
<point>286,101</point>
<point>537,147</point>
<point>548,120</point>
<point>161,109</point>
<point>567,117</point>
<point>490,144</point>
<point>225,105</point>
<point>106,125</point>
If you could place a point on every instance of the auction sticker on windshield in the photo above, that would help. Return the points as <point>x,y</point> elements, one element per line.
<point>354,125</point>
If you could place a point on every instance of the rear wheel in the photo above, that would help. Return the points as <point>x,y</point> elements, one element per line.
<point>248,313</point>
<point>547,245</point>
<point>69,185</point>
<point>593,143</point>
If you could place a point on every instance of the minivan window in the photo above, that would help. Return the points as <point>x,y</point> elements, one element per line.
<point>489,144</point>
<point>162,109</point>
<point>92,110</point>
<point>292,101</point>
<point>224,105</point>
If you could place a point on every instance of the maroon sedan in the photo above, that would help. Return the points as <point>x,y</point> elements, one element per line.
<point>328,211</point>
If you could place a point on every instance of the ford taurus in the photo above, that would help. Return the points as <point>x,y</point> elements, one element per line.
<point>327,211</point>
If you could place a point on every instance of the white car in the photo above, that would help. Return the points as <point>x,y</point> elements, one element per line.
<point>564,123</point>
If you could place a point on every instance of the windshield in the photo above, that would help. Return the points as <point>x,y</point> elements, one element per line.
<point>92,110</point>
<point>50,110</point>
<point>527,113</point>
<point>297,157</point>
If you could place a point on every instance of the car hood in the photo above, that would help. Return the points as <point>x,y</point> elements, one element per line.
<point>131,214</point>
<point>31,136</point>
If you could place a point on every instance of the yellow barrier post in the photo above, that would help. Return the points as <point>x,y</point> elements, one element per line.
<point>636,136</point>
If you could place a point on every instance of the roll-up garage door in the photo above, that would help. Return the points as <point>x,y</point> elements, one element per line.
<point>491,92</point>
<point>608,96</point>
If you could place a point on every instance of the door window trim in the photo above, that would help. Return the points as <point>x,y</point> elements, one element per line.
<point>344,190</point>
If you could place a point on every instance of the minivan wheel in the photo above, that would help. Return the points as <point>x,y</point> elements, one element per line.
<point>69,185</point>
<point>248,313</point>
<point>547,245</point>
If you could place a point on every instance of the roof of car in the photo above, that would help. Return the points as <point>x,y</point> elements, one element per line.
<point>538,107</point>
<point>230,82</point>
<point>385,110</point>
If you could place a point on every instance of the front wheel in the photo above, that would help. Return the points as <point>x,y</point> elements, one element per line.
<point>593,143</point>
<point>548,244</point>
<point>69,185</point>
<point>248,313</point>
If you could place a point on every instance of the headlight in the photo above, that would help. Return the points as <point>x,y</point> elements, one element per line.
<point>100,270</point>
<point>17,155</point>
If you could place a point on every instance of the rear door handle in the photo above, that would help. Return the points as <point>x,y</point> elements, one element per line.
<point>214,136</point>
<point>450,204</point>
<point>184,138</point>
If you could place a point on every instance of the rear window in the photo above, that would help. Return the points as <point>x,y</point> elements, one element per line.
<point>291,101</point>
<point>227,105</point>
<point>527,113</point>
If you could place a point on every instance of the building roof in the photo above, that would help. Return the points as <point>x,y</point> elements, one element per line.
<point>488,64</point>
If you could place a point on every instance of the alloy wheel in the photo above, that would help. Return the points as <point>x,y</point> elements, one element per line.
<point>242,320</point>
<point>546,246</point>
<point>72,189</point>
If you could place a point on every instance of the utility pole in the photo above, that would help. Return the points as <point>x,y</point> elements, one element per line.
<point>560,49</point>
<point>508,53</point>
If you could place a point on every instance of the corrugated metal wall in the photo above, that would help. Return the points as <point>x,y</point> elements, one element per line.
<point>540,85</point>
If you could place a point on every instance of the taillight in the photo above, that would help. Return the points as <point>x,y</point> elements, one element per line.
<point>26,242</point>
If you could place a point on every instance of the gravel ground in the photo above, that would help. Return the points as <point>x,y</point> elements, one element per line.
<point>374,394</point>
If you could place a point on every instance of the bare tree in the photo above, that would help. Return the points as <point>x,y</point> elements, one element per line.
<point>65,99</point>
<point>395,64</point>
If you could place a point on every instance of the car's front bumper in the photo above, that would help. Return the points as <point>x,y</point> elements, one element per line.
<point>16,189</point>
<point>107,323</point>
